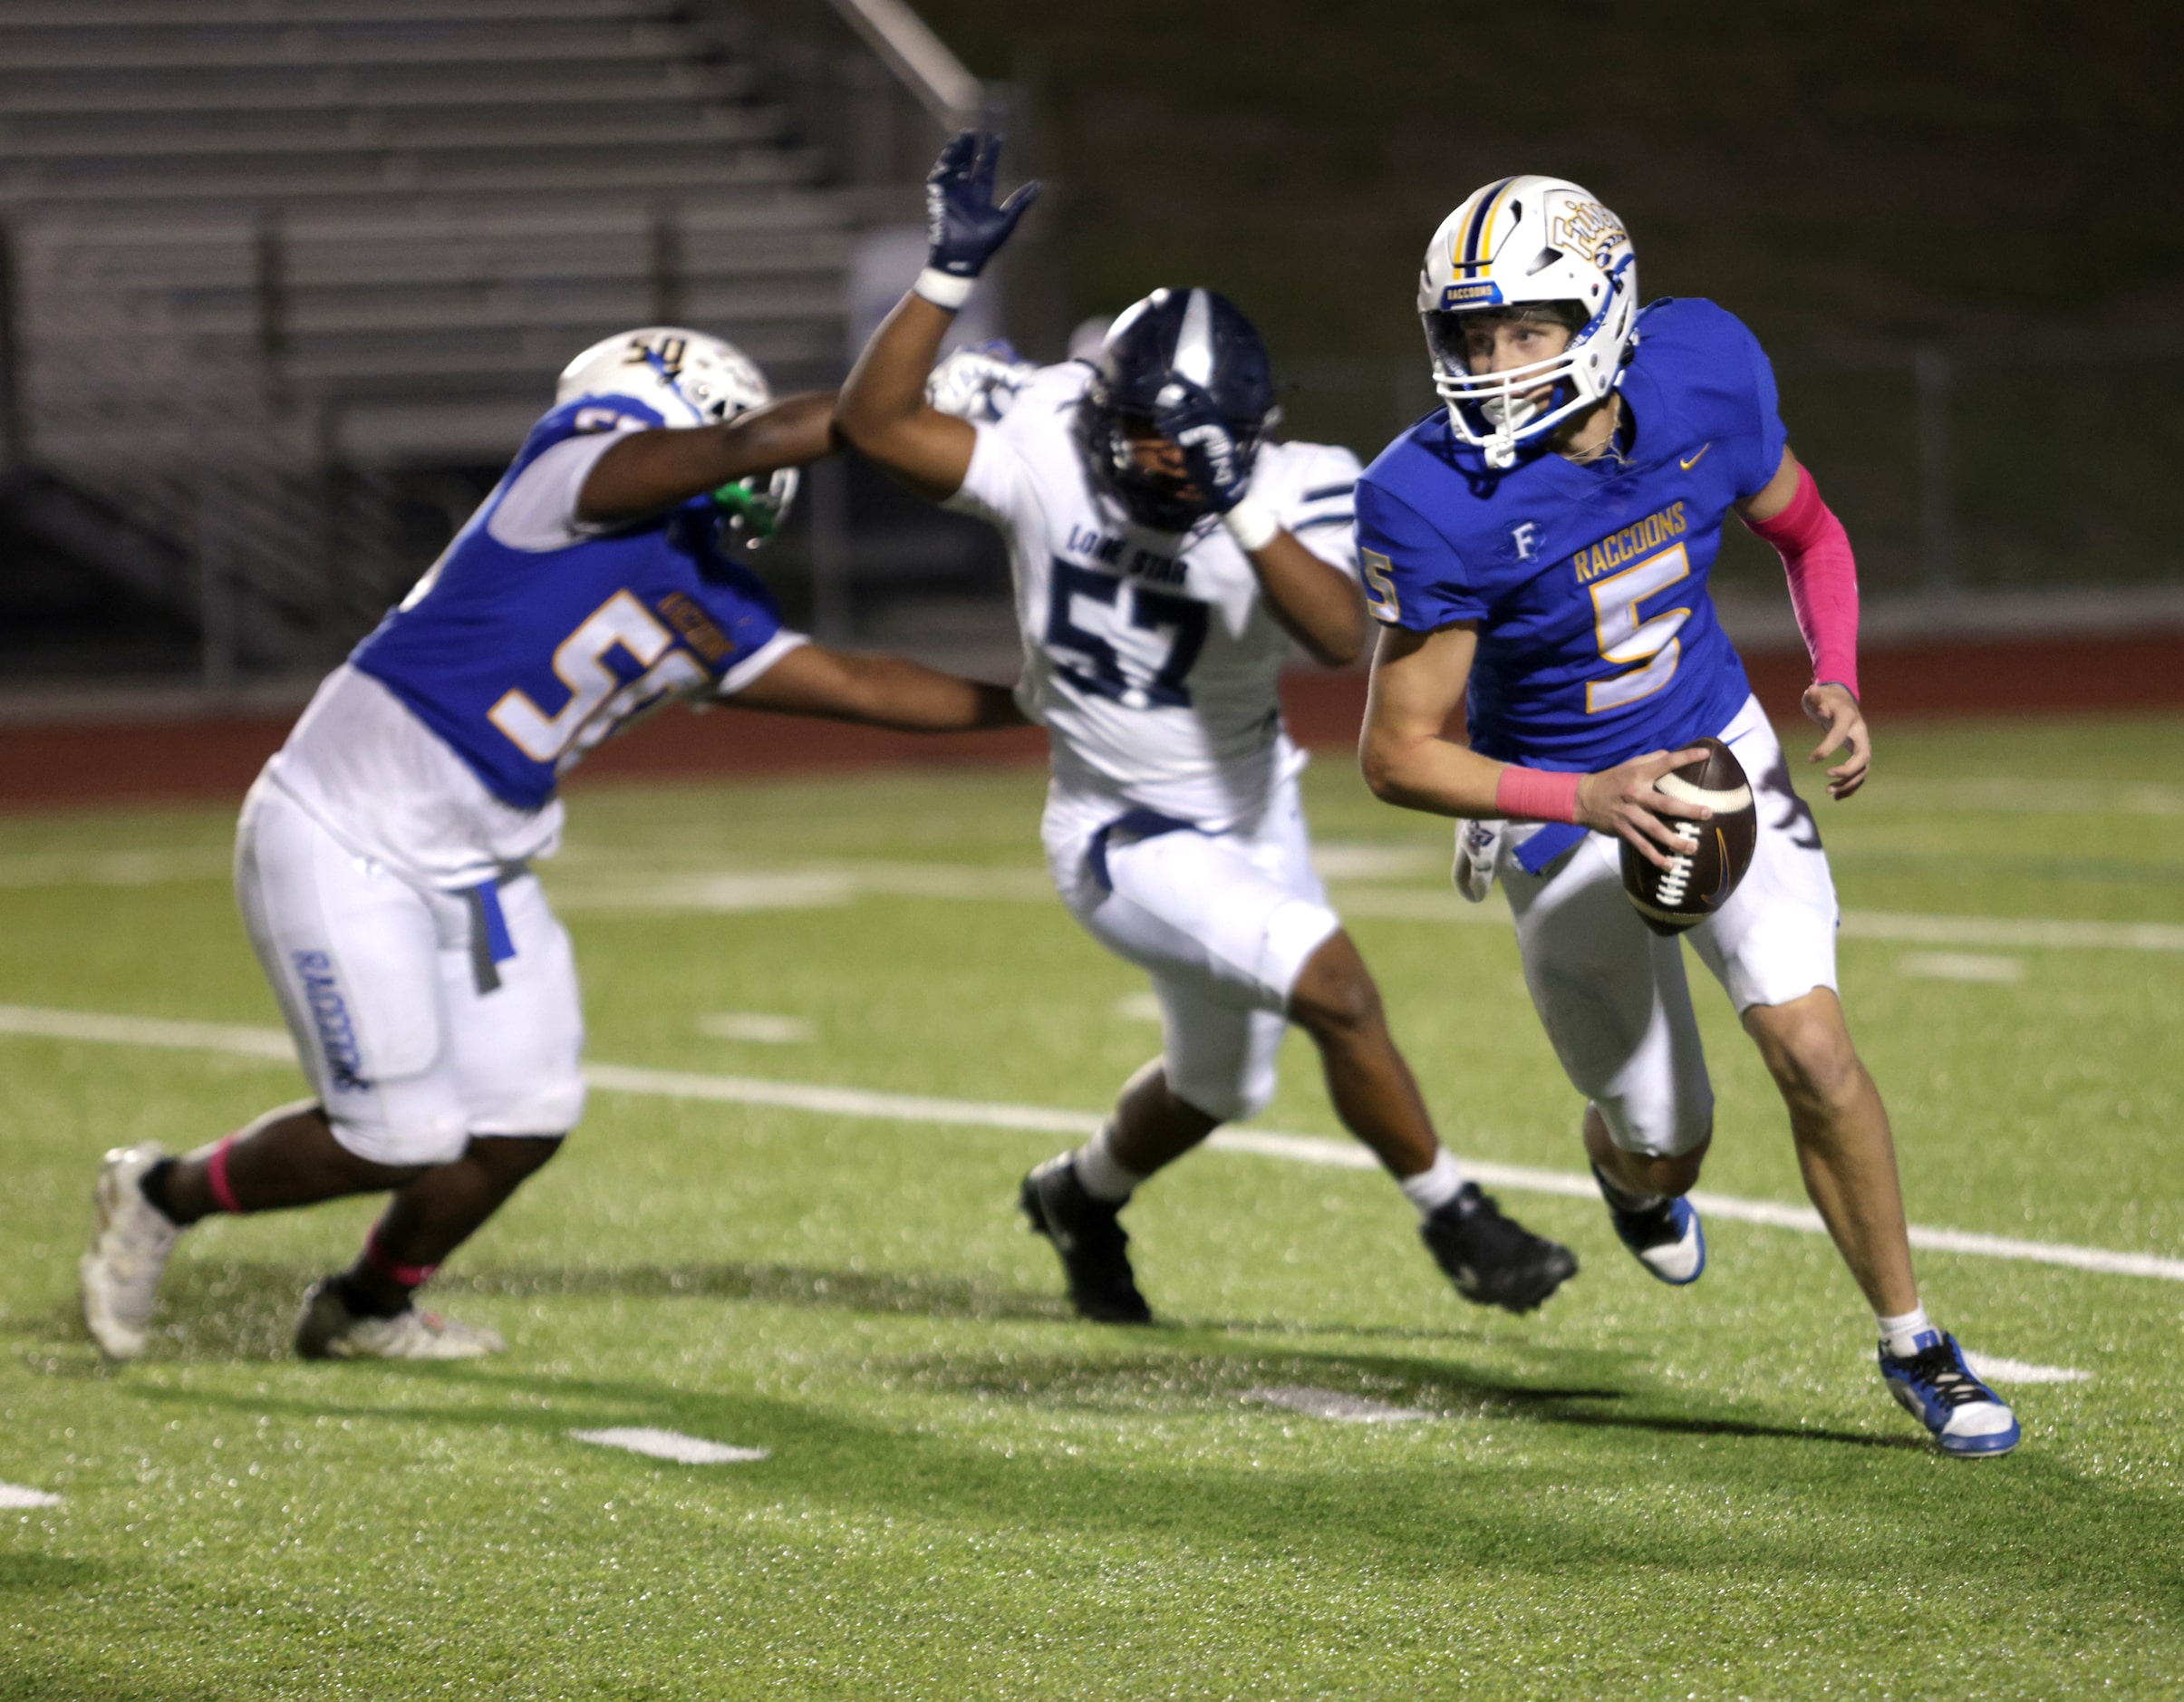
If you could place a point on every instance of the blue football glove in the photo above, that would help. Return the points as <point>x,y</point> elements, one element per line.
<point>963,227</point>
<point>1186,415</point>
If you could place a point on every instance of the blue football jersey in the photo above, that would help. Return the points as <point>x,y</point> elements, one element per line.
<point>1598,641</point>
<point>522,659</point>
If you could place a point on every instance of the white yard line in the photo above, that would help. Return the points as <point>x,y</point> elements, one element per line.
<point>231,1039</point>
<point>16,1495</point>
<point>2036,797</point>
<point>273,1045</point>
<point>1394,904</point>
<point>114,868</point>
<point>1327,1403</point>
<point>756,1027</point>
<point>1959,966</point>
<point>830,885</point>
<point>1997,1369</point>
<point>671,1444</point>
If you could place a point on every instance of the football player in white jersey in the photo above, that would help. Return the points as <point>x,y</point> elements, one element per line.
<point>1166,561</point>
<point>381,861</point>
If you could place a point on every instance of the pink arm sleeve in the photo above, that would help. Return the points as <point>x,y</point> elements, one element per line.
<point>1815,553</point>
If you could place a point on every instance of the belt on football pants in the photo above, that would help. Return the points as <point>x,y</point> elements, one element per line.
<point>1134,825</point>
<point>1538,849</point>
<point>491,942</point>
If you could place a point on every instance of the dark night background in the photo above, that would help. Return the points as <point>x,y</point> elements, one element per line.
<point>1857,170</point>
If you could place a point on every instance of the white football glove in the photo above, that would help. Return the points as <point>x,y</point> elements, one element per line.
<point>978,382</point>
<point>1478,856</point>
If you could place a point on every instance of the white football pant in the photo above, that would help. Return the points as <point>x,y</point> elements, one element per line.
<point>1226,923</point>
<point>422,1017</point>
<point>1612,993</point>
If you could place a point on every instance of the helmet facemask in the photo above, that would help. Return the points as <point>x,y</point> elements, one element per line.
<point>1159,501</point>
<point>1515,404</point>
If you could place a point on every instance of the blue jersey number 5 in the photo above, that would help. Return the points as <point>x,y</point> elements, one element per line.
<point>1625,639</point>
<point>1101,671</point>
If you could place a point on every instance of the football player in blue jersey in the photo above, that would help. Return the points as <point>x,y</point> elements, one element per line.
<point>1537,553</point>
<point>383,859</point>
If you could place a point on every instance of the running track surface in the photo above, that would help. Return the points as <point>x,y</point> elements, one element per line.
<point>214,759</point>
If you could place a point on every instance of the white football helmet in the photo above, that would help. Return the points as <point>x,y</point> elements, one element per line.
<point>689,379</point>
<point>1523,241</point>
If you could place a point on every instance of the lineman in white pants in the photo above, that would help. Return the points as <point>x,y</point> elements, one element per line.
<point>1166,561</point>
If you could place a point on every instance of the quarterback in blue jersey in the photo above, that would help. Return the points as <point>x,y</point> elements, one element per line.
<point>1537,553</point>
<point>383,859</point>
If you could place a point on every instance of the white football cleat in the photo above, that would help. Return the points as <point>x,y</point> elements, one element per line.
<point>330,1331</point>
<point>119,1274</point>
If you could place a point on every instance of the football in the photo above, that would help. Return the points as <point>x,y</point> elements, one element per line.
<point>1698,882</point>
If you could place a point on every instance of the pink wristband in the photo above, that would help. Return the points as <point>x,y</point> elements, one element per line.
<point>1536,795</point>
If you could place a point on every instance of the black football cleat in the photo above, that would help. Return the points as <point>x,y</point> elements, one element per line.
<point>1493,1260</point>
<point>1091,1241</point>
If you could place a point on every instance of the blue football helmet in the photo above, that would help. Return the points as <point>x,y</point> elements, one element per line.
<point>1199,339</point>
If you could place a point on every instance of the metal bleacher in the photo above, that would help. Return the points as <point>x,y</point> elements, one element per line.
<point>264,255</point>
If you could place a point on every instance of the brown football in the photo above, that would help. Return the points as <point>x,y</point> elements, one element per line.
<point>1698,883</point>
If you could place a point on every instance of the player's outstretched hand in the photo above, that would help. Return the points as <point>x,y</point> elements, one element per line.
<point>963,227</point>
<point>1189,418</point>
<point>1622,801</point>
<point>1844,724</point>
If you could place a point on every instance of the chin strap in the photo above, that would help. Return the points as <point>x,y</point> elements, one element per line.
<point>1815,554</point>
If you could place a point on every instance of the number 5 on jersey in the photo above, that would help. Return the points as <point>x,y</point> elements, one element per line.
<point>1625,639</point>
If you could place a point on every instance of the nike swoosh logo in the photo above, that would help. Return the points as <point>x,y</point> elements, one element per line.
<point>1695,460</point>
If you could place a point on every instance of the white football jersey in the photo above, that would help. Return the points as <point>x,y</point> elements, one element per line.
<point>1149,657</point>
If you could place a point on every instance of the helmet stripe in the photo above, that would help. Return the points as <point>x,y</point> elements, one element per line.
<point>1195,340</point>
<point>1481,226</point>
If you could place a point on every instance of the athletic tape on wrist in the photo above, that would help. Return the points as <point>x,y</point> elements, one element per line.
<point>1252,524</point>
<point>1536,795</point>
<point>943,289</point>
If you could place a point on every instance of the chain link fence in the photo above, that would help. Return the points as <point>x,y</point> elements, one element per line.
<point>1956,469</point>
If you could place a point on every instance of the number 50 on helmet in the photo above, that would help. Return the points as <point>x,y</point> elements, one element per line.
<point>690,379</point>
<point>1528,243</point>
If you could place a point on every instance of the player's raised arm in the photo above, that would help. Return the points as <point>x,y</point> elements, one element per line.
<point>1419,679</point>
<point>649,471</point>
<point>879,691</point>
<point>882,408</point>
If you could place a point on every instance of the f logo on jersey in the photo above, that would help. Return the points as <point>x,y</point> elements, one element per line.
<point>1524,537</point>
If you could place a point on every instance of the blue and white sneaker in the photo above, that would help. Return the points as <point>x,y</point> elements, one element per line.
<point>1964,1415</point>
<point>1666,1236</point>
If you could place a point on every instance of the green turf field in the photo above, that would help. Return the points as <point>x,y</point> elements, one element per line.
<point>1639,1491</point>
